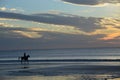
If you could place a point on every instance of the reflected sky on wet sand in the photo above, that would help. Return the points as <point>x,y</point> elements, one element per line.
<point>65,77</point>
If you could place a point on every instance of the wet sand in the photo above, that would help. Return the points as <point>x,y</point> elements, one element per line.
<point>60,71</point>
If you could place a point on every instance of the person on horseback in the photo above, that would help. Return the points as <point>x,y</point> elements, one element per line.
<point>24,58</point>
<point>24,54</point>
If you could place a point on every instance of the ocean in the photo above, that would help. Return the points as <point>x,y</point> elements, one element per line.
<point>90,53</point>
<point>61,64</point>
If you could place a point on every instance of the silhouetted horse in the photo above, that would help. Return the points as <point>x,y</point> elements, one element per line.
<point>24,59</point>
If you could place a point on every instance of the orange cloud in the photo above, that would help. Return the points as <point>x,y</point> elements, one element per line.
<point>110,29</point>
<point>111,36</point>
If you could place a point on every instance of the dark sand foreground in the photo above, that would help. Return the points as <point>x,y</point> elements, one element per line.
<point>60,71</point>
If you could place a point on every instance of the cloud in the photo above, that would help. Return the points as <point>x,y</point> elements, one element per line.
<point>18,32</point>
<point>92,2</point>
<point>11,9</point>
<point>67,24</point>
<point>28,34</point>
<point>13,40</point>
<point>110,33</point>
<point>60,29</point>
<point>6,25</point>
<point>60,19</point>
<point>50,40</point>
<point>35,32</point>
<point>3,8</point>
<point>57,30</point>
<point>111,29</point>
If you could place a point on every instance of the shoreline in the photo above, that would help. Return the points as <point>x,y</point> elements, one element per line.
<point>67,60</point>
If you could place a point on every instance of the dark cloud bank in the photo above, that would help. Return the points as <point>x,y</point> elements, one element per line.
<point>92,2</point>
<point>77,21</point>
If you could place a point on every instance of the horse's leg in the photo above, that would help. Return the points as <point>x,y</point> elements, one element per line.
<point>28,61</point>
<point>21,60</point>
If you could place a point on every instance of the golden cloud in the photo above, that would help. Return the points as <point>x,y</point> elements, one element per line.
<point>60,29</point>
<point>28,34</point>
<point>5,25</point>
<point>107,22</point>
<point>111,29</point>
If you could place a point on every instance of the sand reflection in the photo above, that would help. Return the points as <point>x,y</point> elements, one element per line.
<point>64,77</point>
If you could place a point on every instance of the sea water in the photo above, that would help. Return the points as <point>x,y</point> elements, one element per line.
<point>90,53</point>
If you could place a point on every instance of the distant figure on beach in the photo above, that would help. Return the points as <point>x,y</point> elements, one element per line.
<point>24,58</point>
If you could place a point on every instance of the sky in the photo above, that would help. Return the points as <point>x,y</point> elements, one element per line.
<point>51,24</point>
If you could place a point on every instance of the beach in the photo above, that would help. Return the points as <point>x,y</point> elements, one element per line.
<point>59,39</point>
<point>61,64</point>
<point>60,71</point>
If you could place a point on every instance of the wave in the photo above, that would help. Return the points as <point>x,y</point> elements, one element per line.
<point>66,60</point>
